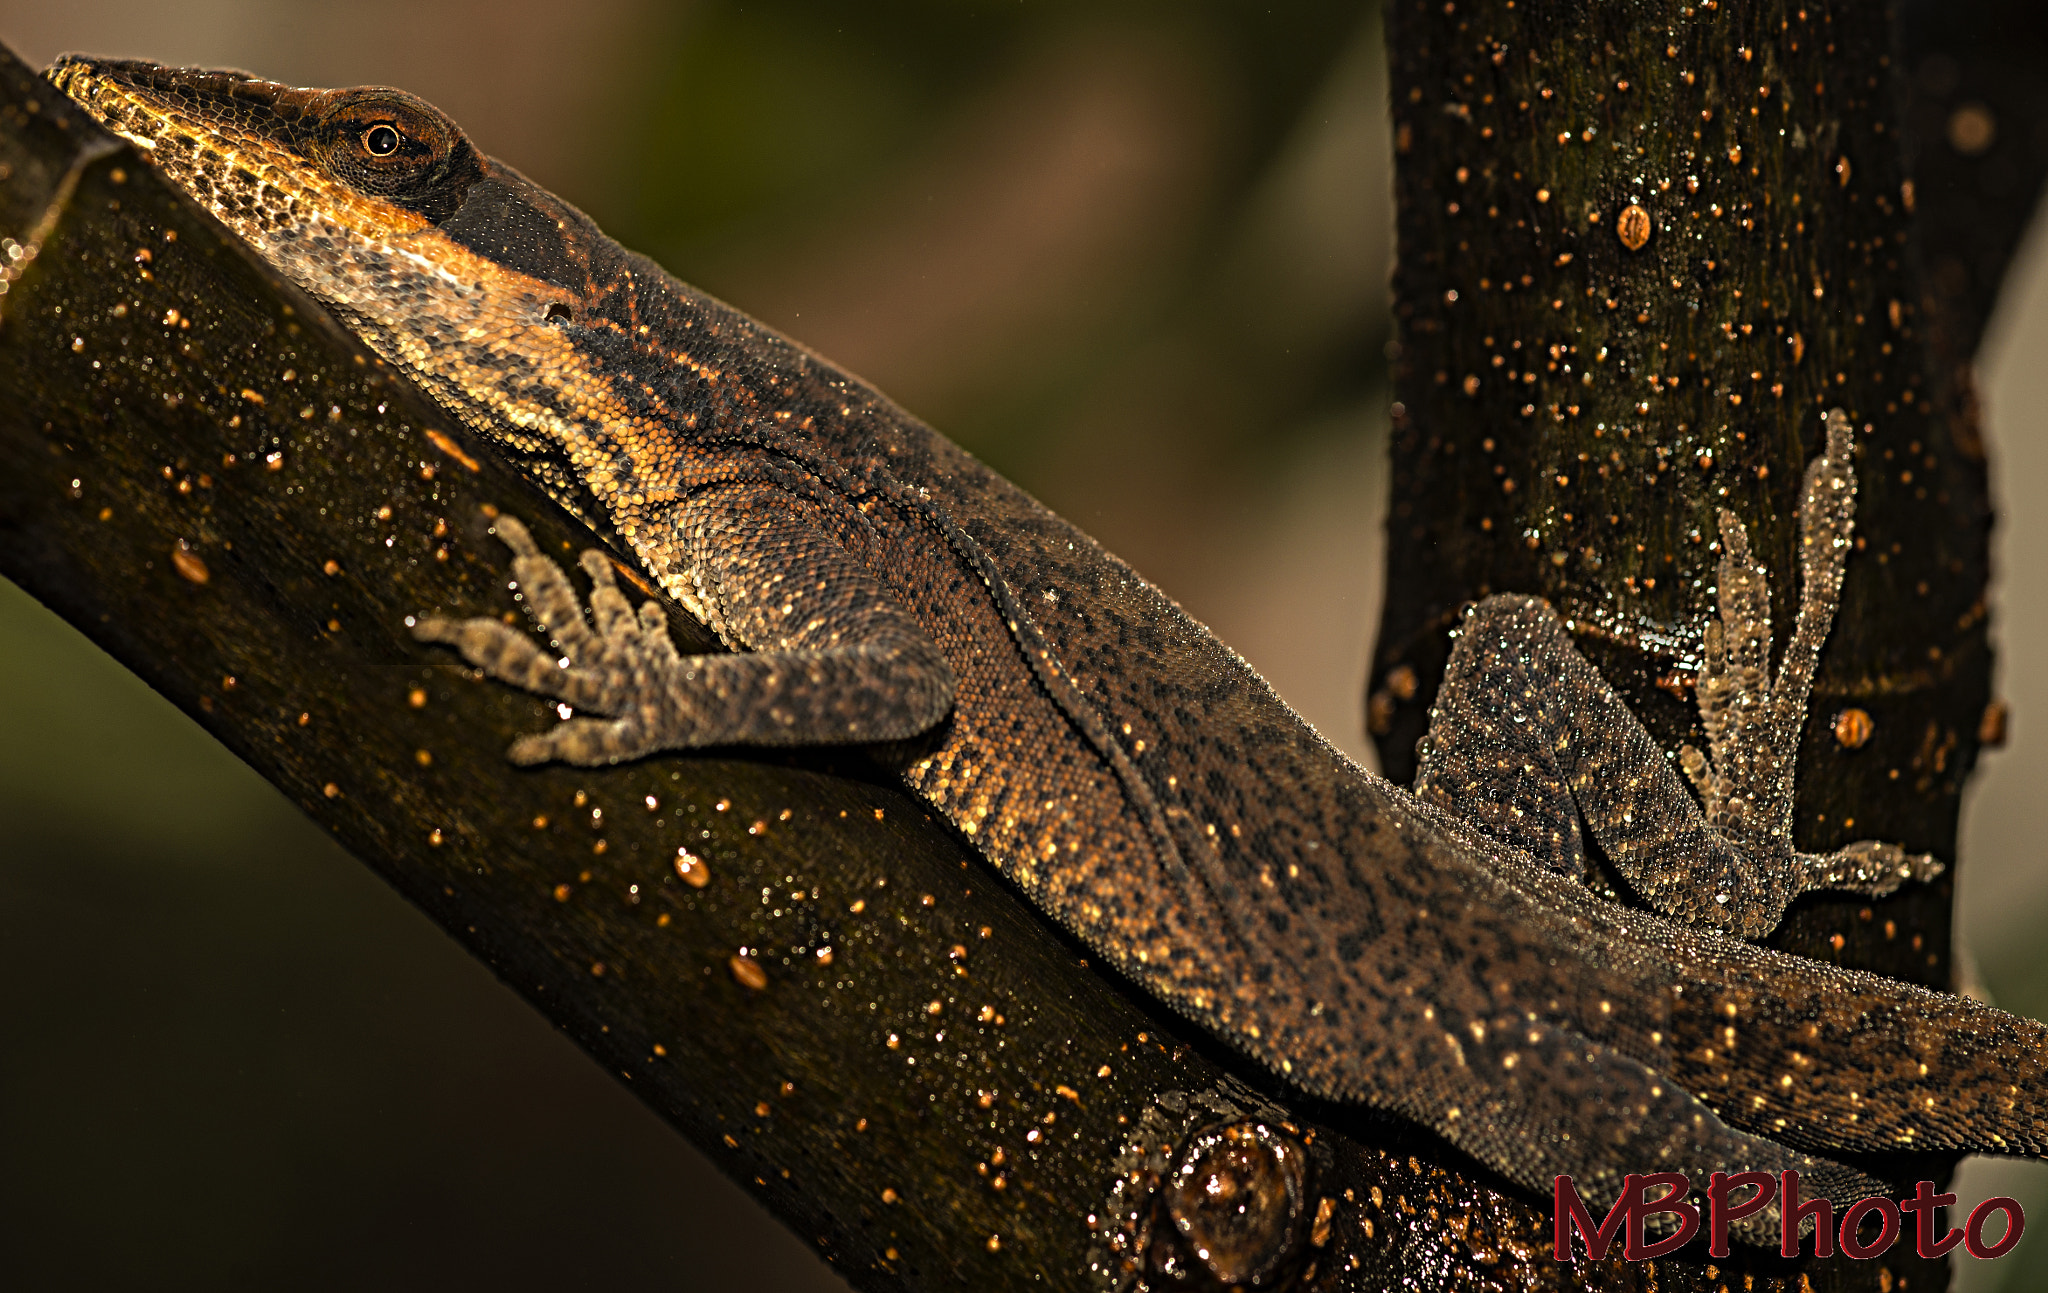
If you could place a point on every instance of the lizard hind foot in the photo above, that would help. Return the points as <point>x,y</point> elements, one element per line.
<point>1745,775</point>
<point>1752,719</point>
<point>1827,512</point>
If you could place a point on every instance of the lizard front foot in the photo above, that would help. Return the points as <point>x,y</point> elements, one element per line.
<point>827,656</point>
<point>619,664</point>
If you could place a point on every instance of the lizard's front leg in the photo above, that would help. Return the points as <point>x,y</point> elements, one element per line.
<point>1530,744</point>
<point>830,655</point>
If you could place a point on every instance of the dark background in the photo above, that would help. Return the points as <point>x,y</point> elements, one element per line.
<point>1134,254</point>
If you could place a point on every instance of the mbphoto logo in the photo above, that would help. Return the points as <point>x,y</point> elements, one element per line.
<point>1627,1215</point>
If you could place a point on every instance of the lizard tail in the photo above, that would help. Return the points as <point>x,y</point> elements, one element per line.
<point>1843,1060</point>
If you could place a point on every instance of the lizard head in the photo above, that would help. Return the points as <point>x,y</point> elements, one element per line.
<point>370,198</point>
<point>268,160</point>
<point>507,304</point>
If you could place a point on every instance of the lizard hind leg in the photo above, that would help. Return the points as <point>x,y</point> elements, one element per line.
<point>1490,758</point>
<point>1530,745</point>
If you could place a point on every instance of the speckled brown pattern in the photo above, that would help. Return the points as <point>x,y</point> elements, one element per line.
<point>1492,754</point>
<point>1432,956</point>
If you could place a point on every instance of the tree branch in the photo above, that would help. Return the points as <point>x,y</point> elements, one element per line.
<point>213,481</point>
<point>853,1015</point>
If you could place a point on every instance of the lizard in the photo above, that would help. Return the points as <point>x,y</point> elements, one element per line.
<point>1434,952</point>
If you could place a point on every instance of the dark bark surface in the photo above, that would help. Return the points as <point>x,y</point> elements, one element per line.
<point>1976,140</point>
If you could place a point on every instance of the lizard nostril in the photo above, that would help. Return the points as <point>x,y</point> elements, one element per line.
<point>557,313</point>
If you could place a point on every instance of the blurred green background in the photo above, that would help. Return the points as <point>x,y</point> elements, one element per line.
<point>1134,254</point>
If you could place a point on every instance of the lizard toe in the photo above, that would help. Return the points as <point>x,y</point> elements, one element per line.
<point>512,532</point>
<point>585,742</point>
<point>1871,867</point>
<point>504,653</point>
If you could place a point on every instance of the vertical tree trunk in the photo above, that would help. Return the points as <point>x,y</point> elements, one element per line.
<point>1641,252</point>
<point>1642,249</point>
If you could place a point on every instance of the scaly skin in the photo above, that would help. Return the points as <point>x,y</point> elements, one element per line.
<point>1431,953</point>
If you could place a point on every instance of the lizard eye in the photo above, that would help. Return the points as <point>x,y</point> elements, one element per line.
<point>390,145</point>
